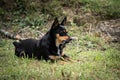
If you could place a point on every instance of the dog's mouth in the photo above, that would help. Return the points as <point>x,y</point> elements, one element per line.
<point>64,42</point>
<point>67,41</point>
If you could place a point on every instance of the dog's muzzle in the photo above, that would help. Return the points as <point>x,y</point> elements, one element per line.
<point>65,42</point>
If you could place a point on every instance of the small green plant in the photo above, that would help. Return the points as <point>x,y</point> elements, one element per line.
<point>52,8</point>
<point>2,11</point>
<point>21,6</point>
<point>104,8</point>
<point>33,21</point>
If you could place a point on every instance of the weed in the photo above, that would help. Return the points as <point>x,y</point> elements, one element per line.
<point>30,20</point>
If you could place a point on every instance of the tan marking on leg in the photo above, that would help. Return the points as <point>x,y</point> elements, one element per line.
<point>54,57</point>
<point>62,54</point>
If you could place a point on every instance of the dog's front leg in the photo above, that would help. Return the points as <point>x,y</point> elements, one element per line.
<point>64,56</point>
<point>67,58</point>
<point>54,58</point>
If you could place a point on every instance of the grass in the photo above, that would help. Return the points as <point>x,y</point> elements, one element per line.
<point>95,59</point>
<point>107,9</point>
<point>91,63</point>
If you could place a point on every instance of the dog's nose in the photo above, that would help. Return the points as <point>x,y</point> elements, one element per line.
<point>68,40</point>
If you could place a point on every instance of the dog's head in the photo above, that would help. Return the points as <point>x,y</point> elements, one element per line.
<point>60,33</point>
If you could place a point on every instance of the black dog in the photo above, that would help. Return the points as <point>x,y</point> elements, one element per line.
<point>49,47</point>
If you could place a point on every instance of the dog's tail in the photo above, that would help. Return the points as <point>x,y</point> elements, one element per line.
<point>9,35</point>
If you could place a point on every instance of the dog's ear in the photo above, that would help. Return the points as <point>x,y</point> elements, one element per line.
<point>16,44</point>
<point>64,21</point>
<point>55,23</point>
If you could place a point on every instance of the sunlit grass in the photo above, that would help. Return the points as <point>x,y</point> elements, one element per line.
<point>89,63</point>
<point>94,59</point>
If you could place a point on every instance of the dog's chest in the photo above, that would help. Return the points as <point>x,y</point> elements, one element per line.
<point>58,51</point>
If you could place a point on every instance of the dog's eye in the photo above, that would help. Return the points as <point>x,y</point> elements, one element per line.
<point>62,33</point>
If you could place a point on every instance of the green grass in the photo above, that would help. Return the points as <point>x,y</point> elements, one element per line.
<point>95,59</point>
<point>107,9</point>
<point>91,63</point>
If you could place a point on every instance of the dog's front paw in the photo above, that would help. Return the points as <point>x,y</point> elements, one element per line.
<point>67,58</point>
<point>54,58</point>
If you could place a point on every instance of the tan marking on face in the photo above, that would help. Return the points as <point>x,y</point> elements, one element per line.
<point>65,31</point>
<point>59,39</point>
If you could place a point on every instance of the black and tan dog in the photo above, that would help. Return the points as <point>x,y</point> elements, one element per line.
<point>49,47</point>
